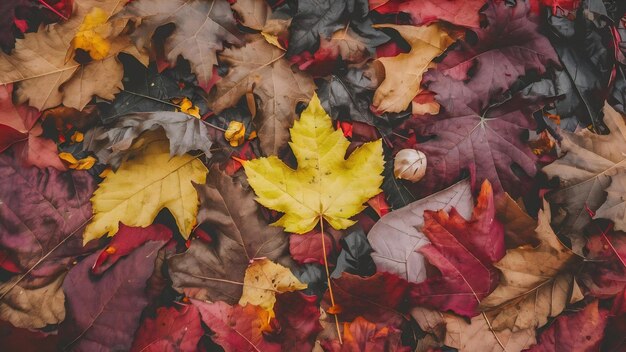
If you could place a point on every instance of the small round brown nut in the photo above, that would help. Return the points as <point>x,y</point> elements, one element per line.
<point>409,164</point>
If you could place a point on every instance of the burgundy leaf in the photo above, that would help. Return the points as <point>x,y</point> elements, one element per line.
<point>508,47</point>
<point>126,241</point>
<point>467,134</point>
<point>307,248</point>
<point>582,331</point>
<point>459,12</point>
<point>464,252</point>
<point>380,298</point>
<point>42,215</point>
<point>298,316</point>
<point>103,313</point>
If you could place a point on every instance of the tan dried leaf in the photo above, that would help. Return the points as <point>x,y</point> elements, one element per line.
<point>614,208</point>
<point>254,13</point>
<point>201,27</point>
<point>455,332</point>
<point>536,283</point>
<point>32,308</point>
<point>403,73</point>
<point>585,171</point>
<point>261,68</point>
<point>47,80</point>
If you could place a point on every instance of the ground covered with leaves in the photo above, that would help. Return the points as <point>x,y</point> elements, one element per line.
<point>312,175</point>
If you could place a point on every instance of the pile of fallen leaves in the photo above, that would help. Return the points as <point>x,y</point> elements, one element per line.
<point>300,175</point>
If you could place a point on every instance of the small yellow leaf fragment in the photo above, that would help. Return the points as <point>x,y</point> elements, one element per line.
<point>263,280</point>
<point>186,106</point>
<point>75,164</point>
<point>143,186</point>
<point>77,137</point>
<point>105,172</point>
<point>68,157</point>
<point>272,39</point>
<point>92,34</point>
<point>235,133</point>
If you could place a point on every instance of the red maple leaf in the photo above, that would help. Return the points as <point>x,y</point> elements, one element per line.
<point>464,252</point>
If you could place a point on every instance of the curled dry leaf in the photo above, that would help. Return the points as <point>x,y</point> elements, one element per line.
<point>113,143</point>
<point>614,208</point>
<point>477,335</point>
<point>409,164</point>
<point>142,186</point>
<point>397,236</point>
<point>589,163</point>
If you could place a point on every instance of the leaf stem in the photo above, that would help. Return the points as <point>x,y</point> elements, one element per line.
<point>330,287</point>
<point>170,104</point>
<point>53,10</point>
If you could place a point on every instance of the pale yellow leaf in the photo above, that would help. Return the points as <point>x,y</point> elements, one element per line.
<point>325,184</point>
<point>144,185</point>
<point>263,280</point>
<point>403,73</point>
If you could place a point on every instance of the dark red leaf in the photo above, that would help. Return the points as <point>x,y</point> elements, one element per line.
<point>459,12</point>
<point>380,298</point>
<point>298,316</point>
<point>464,252</point>
<point>363,336</point>
<point>307,248</point>
<point>24,340</point>
<point>172,330</point>
<point>237,328</point>
<point>126,241</point>
<point>582,331</point>
<point>103,313</point>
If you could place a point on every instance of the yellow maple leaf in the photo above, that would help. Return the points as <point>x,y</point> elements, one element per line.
<point>142,186</point>
<point>263,280</point>
<point>403,73</point>
<point>92,34</point>
<point>325,184</point>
